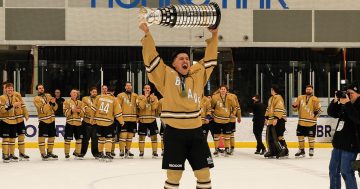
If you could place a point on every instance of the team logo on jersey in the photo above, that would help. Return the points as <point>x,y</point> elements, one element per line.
<point>177,81</point>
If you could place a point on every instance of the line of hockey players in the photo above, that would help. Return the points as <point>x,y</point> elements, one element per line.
<point>110,121</point>
<point>106,120</point>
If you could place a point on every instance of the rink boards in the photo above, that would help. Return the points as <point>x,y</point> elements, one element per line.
<point>244,135</point>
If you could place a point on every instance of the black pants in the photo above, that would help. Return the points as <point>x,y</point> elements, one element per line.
<point>258,126</point>
<point>89,132</point>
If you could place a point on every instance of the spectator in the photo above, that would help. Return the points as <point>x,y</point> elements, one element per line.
<point>59,101</point>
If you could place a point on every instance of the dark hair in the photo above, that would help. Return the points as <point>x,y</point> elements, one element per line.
<point>176,53</point>
<point>5,82</point>
<point>128,82</point>
<point>103,86</point>
<point>9,85</point>
<point>111,89</point>
<point>147,85</point>
<point>275,88</point>
<point>92,88</point>
<point>221,86</point>
<point>37,86</point>
<point>309,86</point>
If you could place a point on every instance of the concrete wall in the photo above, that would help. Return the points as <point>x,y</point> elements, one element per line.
<point>304,24</point>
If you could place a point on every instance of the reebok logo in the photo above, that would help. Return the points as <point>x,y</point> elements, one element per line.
<point>175,165</point>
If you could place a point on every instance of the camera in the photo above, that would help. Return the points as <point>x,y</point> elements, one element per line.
<point>342,93</point>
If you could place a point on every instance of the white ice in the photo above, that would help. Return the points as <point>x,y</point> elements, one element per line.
<point>243,170</point>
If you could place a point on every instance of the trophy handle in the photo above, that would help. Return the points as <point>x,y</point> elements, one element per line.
<point>149,16</point>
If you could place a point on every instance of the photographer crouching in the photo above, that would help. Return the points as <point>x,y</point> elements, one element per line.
<point>346,107</point>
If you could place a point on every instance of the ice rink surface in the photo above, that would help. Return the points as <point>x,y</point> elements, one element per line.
<point>243,170</point>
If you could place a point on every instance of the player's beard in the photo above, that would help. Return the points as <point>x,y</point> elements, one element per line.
<point>309,94</point>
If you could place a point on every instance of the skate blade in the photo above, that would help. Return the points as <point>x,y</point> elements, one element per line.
<point>6,161</point>
<point>299,157</point>
<point>271,157</point>
<point>23,159</point>
<point>154,157</point>
<point>14,161</point>
<point>283,157</point>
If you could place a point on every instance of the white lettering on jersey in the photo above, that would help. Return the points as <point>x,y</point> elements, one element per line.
<point>177,81</point>
<point>190,94</point>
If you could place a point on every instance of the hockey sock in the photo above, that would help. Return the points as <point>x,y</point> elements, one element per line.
<point>113,145</point>
<point>227,140</point>
<point>122,145</point>
<point>50,144</point>
<point>162,142</point>
<point>129,140</point>
<point>203,178</point>
<point>216,140</point>
<point>108,143</point>
<point>21,143</point>
<point>311,142</point>
<point>12,146</point>
<point>173,179</point>
<point>141,143</point>
<point>301,142</point>
<point>67,146</point>
<point>154,143</point>
<point>41,141</point>
<point>232,140</point>
<point>5,146</point>
<point>78,146</point>
<point>101,144</point>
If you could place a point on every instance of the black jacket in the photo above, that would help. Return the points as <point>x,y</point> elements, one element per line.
<point>348,138</point>
<point>59,102</point>
<point>258,110</point>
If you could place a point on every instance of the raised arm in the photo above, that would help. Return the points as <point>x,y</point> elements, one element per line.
<point>210,58</point>
<point>155,67</point>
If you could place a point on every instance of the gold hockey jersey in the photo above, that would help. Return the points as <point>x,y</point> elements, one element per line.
<point>238,108</point>
<point>73,118</point>
<point>205,107</point>
<point>181,107</point>
<point>128,105</point>
<point>147,108</point>
<point>223,108</point>
<point>8,116</point>
<point>107,109</point>
<point>89,108</point>
<point>309,109</point>
<point>21,113</point>
<point>46,111</point>
<point>276,109</point>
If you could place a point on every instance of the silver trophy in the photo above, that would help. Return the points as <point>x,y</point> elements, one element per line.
<point>183,16</point>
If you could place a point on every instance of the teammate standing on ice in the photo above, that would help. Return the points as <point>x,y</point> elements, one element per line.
<point>46,106</point>
<point>275,116</point>
<point>147,104</point>
<point>182,87</point>
<point>309,109</point>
